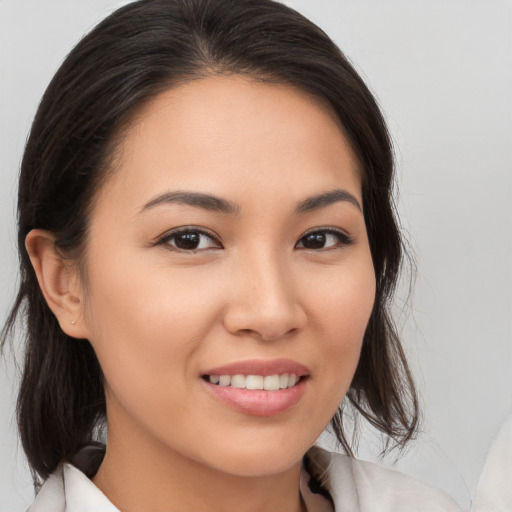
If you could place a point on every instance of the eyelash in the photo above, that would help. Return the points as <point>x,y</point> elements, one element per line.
<point>166,239</point>
<point>343,239</point>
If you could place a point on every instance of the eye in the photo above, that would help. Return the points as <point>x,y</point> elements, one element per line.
<point>324,239</point>
<point>190,240</point>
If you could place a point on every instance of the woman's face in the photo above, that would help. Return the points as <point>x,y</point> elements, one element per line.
<point>228,242</point>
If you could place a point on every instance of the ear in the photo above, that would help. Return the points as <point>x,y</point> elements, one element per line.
<point>59,281</point>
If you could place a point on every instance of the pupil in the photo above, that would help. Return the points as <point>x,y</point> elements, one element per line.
<point>314,241</point>
<point>187,241</point>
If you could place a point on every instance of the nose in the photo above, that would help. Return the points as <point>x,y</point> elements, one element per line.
<point>263,299</point>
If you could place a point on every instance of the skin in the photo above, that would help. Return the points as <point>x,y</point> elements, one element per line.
<point>158,317</point>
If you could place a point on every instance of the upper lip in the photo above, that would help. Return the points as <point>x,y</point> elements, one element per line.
<point>260,367</point>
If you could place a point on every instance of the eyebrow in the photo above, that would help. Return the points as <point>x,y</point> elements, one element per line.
<point>217,204</point>
<point>326,199</point>
<point>196,199</point>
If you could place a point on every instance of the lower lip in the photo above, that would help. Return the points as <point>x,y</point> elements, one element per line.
<point>259,402</point>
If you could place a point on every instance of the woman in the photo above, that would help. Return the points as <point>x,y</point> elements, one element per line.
<point>208,250</point>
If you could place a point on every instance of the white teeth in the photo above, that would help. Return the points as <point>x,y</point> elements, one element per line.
<point>269,383</point>
<point>238,381</point>
<point>254,382</point>
<point>224,380</point>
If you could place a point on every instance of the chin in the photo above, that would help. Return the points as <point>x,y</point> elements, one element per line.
<point>258,460</point>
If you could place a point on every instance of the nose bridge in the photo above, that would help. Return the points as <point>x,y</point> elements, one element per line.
<point>264,299</point>
<point>272,282</point>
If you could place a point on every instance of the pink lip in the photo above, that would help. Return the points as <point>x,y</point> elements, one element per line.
<point>260,367</point>
<point>259,402</point>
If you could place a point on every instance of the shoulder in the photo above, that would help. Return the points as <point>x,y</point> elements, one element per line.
<point>494,491</point>
<point>368,487</point>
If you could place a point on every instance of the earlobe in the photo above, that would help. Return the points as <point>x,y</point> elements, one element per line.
<point>58,280</point>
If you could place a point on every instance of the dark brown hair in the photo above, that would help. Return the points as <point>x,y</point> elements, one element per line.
<point>137,52</point>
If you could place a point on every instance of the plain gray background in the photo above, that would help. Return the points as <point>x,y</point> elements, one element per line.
<point>442,71</point>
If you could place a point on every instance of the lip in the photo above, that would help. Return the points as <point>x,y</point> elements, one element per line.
<point>259,402</point>
<point>260,367</point>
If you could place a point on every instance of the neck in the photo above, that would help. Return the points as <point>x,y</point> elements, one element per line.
<point>138,477</point>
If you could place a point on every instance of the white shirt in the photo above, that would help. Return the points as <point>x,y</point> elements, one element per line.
<point>355,486</point>
<point>494,492</point>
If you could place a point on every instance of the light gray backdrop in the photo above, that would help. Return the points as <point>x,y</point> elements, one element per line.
<point>442,70</point>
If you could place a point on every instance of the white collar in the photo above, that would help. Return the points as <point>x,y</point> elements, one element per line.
<point>355,486</point>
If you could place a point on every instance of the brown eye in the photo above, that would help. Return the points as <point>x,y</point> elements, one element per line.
<point>314,240</point>
<point>190,240</point>
<point>323,239</point>
<point>187,241</point>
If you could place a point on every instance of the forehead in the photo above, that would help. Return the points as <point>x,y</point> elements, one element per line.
<point>220,133</point>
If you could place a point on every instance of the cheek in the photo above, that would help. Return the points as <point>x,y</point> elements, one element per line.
<point>158,299</point>
<point>145,322</point>
<point>342,308</point>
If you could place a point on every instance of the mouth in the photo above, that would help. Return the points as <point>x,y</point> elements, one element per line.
<point>258,387</point>
<point>256,382</point>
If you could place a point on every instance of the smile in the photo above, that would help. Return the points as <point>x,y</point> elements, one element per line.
<point>255,382</point>
<point>258,387</point>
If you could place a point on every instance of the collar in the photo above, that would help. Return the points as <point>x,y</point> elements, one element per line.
<point>70,489</point>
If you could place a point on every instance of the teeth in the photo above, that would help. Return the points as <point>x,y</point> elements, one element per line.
<point>254,382</point>
<point>224,380</point>
<point>238,381</point>
<point>269,383</point>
